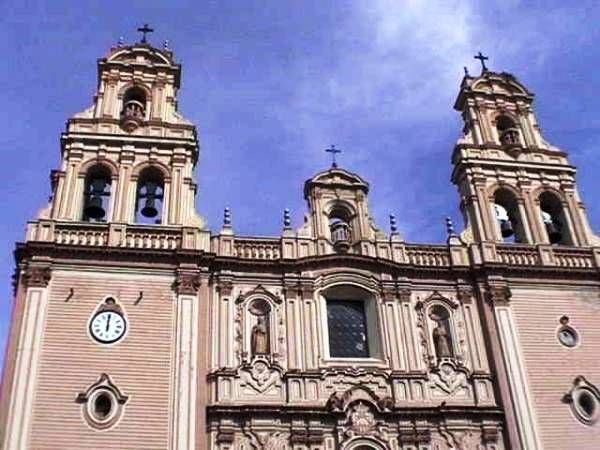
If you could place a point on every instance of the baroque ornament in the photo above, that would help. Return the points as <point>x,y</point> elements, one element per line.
<point>261,376</point>
<point>448,379</point>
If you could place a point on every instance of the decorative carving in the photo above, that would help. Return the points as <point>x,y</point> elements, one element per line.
<point>345,381</point>
<point>267,440</point>
<point>362,421</point>
<point>259,290</point>
<point>449,378</point>
<point>261,376</point>
<point>187,283</point>
<point>341,401</point>
<point>38,276</point>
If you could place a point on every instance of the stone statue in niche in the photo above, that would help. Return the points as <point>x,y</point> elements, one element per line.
<point>442,340</point>
<point>260,336</point>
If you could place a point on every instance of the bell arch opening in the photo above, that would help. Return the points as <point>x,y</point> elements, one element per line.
<point>97,191</point>
<point>554,219</point>
<point>508,133</point>
<point>150,196</point>
<point>134,108</point>
<point>340,227</point>
<point>510,225</point>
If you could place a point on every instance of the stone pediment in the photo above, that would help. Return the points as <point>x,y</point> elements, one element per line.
<point>140,53</point>
<point>492,83</point>
<point>336,178</point>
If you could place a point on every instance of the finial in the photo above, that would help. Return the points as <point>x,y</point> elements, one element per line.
<point>393,226</point>
<point>287,221</point>
<point>333,152</point>
<point>450,227</point>
<point>121,42</point>
<point>145,30</point>
<point>466,71</point>
<point>166,45</point>
<point>483,59</point>
<point>226,218</point>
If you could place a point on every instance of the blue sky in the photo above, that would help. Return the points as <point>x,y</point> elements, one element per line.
<point>270,84</point>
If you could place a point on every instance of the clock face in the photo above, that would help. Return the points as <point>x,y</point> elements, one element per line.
<point>108,327</point>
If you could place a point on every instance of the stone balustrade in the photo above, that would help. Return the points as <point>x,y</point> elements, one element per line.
<point>573,257</point>
<point>518,255</point>
<point>93,235</point>
<point>252,248</point>
<point>291,247</point>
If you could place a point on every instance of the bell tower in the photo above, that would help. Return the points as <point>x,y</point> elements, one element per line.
<point>515,187</point>
<point>129,157</point>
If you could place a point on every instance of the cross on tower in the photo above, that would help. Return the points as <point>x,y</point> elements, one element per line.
<point>483,59</point>
<point>144,30</point>
<point>333,152</point>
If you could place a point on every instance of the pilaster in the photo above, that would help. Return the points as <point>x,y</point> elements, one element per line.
<point>183,419</point>
<point>20,410</point>
<point>498,297</point>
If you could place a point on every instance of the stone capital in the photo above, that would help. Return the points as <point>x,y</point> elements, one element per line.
<point>464,294</point>
<point>37,276</point>
<point>187,282</point>
<point>498,293</point>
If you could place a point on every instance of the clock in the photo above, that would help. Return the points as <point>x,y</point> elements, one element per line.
<point>108,326</point>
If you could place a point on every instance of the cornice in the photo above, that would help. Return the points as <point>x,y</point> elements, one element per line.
<point>170,259</point>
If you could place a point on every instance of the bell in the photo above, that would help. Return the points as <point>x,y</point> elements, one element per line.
<point>149,209</point>
<point>553,234</point>
<point>93,207</point>
<point>506,228</point>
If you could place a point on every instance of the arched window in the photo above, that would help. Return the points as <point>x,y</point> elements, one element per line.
<point>96,194</point>
<point>441,334</point>
<point>507,131</point>
<point>554,220</point>
<point>134,108</point>
<point>150,194</point>
<point>506,209</point>
<point>352,323</point>
<point>340,228</point>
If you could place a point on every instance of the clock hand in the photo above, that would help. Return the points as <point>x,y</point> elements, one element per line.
<point>108,322</point>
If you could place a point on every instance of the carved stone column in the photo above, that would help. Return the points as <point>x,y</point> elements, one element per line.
<point>27,356</point>
<point>183,426</point>
<point>498,296</point>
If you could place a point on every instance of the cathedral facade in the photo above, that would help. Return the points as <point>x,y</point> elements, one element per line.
<point>136,327</point>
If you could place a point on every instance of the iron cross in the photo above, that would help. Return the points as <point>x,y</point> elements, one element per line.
<point>333,152</point>
<point>144,30</point>
<point>482,58</point>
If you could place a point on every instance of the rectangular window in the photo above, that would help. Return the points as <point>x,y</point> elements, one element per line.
<point>347,325</point>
